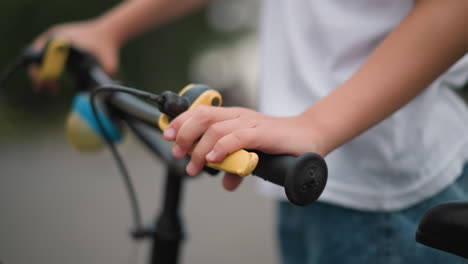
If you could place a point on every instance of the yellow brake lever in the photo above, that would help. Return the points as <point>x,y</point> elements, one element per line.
<point>54,59</point>
<point>239,162</point>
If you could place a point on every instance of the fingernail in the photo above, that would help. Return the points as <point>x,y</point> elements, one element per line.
<point>169,133</point>
<point>192,169</point>
<point>212,156</point>
<point>177,151</point>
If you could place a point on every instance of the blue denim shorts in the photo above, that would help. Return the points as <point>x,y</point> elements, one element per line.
<point>327,234</point>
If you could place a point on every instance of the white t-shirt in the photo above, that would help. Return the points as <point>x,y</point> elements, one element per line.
<point>310,47</point>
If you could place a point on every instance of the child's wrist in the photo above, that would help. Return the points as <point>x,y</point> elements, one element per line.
<point>313,138</point>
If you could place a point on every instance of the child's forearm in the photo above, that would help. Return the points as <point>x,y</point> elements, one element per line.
<point>430,39</point>
<point>137,16</point>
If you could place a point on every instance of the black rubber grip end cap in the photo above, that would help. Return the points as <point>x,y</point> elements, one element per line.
<point>306,180</point>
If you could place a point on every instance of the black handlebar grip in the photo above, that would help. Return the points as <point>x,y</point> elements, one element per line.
<point>303,178</point>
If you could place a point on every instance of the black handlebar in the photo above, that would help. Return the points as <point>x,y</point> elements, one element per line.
<point>304,177</point>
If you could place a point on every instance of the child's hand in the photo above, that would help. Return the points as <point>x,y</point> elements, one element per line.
<point>222,130</point>
<point>89,36</point>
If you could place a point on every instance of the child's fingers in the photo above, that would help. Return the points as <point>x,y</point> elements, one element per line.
<point>218,131</point>
<point>38,86</point>
<point>198,112</point>
<point>207,142</point>
<point>33,72</point>
<point>231,181</point>
<point>203,115</point>
<point>190,131</point>
<point>170,132</point>
<point>193,124</point>
<point>239,139</point>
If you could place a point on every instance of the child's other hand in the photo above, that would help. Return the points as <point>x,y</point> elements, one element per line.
<point>223,130</point>
<point>89,36</point>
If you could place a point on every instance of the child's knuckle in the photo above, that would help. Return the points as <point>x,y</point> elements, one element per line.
<point>202,114</point>
<point>216,130</point>
<point>238,138</point>
<point>221,146</point>
<point>183,140</point>
<point>197,159</point>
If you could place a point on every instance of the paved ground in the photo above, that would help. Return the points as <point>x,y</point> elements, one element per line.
<point>58,206</point>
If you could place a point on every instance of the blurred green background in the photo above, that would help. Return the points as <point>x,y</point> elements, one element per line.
<point>155,61</point>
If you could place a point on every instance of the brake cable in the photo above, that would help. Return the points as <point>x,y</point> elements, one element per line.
<point>178,103</point>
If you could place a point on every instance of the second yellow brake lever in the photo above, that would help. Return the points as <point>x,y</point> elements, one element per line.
<point>240,162</point>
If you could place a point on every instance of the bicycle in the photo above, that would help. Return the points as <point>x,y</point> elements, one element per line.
<point>100,113</point>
